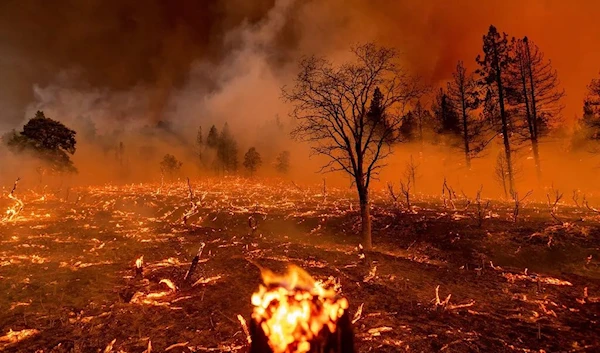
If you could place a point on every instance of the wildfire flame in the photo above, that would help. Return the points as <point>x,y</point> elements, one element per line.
<point>292,309</point>
<point>12,212</point>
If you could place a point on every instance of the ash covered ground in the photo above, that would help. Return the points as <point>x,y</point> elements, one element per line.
<point>67,268</point>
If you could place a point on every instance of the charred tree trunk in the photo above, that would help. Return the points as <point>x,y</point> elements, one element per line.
<point>504,120</point>
<point>536,158</point>
<point>524,74</point>
<point>465,131</point>
<point>365,216</point>
<point>534,118</point>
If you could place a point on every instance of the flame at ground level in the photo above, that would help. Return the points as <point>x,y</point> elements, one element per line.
<point>293,310</point>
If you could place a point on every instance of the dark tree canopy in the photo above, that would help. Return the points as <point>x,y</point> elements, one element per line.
<point>212,140</point>
<point>170,165</point>
<point>587,134</point>
<point>227,151</point>
<point>252,160</point>
<point>416,124</point>
<point>446,114</point>
<point>591,109</point>
<point>48,140</point>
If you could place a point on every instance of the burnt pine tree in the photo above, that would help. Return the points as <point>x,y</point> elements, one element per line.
<point>376,113</point>
<point>588,127</point>
<point>415,124</point>
<point>227,151</point>
<point>252,160</point>
<point>407,127</point>
<point>212,140</point>
<point>536,94</point>
<point>493,74</point>
<point>464,93</point>
<point>591,109</point>
<point>48,140</point>
<point>445,114</point>
<point>331,105</point>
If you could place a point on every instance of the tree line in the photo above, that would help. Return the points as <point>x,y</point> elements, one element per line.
<point>219,152</point>
<point>354,113</point>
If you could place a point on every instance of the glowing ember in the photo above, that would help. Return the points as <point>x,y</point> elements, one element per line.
<point>293,310</point>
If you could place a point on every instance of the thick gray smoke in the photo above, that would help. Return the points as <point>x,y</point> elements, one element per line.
<point>151,74</point>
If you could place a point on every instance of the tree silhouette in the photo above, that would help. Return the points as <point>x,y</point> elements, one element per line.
<point>445,114</point>
<point>170,165</point>
<point>587,132</point>
<point>415,124</point>
<point>227,151</point>
<point>464,93</point>
<point>408,127</point>
<point>47,139</point>
<point>535,93</point>
<point>212,140</point>
<point>331,105</point>
<point>493,74</point>
<point>252,160</point>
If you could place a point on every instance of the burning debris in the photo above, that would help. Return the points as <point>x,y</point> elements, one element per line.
<point>294,313</point>
<point>12,212</point>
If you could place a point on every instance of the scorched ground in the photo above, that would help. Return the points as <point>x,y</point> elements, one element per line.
<point>438,281</point>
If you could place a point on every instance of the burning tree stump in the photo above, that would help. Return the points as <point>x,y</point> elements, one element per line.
<point>340,341</point>
<point>295,314</point>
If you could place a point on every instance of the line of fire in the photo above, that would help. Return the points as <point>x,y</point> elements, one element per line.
<point>289,176</point>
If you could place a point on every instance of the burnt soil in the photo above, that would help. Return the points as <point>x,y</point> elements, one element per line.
<point>67,269</point>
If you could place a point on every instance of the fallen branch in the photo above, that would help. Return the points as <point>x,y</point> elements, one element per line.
<point>195,260</point>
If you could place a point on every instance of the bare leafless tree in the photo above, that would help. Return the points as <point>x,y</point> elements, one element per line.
<point>405,190</point>
<point>411,171</point>
<point>448,195</point>
<point>518,201</point>
<point>501,172</point>
<point>332,106</point>
<point>554,197</point>
<point>393,195</point>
